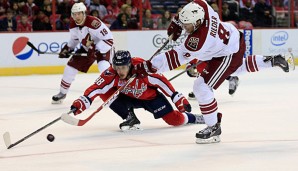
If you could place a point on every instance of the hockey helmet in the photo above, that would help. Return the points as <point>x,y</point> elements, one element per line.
<point>79,7</point>
<point>191,13</point>
<point>121,57</point>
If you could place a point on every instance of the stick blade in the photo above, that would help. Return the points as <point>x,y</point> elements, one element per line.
<point>65,117</point>
<point>7,141</point>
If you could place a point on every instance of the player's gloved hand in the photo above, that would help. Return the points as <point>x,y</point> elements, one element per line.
<point>81,104</point>
<point>195,71</point>
<point>181,102</point>
<point>64,53</point>
<point>92,52</point>
<point>87,41</point>
<point>143,69</point>
<point>175,28</point>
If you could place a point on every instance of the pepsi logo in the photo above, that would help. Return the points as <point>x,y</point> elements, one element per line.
<point>279,38</point>
<point>19,48</point>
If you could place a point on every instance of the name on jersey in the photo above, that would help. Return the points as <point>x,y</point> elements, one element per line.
<point>134,89</point>
<point>213,30</point>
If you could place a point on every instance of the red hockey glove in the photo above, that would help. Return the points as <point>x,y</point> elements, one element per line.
<point>81,104</point>
<point>142,69</point>
<point>175,28</point>
<point>64,53</point>
<point>181,102</point>
<point>87,41</point>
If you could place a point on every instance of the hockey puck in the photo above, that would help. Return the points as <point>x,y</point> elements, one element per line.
<point>50,137</point>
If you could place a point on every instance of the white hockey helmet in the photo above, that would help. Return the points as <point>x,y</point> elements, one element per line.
<point>191,13</point>
<point>79,7</point>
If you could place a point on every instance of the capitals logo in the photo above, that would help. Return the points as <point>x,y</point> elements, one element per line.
<point>19,48</point>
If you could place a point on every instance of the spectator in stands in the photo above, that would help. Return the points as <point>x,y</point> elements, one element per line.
<point>64,7</point>
<point>134,9</point>
<point>113,8</point>
<point>132,20</point>
<point>95,5</point>
<point>145,3</point>
<point>120,23</point>
<point>41,22</point>
<point>4,5</point>
<point>24,25</point>
<point>94,13</point>
<point>147,20</point>
<point>63,22</point>
<point>30,8</point>
<point>47,9</point>
<point>214,6</point>
<point>228,14</point>
<point>165,20</point>
<point>8,23</point>
<point>263,14</point>
<point>247,12</point>
<point>15,9</point>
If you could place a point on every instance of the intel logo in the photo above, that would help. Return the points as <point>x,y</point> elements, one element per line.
<point>279,38</point>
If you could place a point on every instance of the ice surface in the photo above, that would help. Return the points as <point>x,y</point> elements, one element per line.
<point>260,130</point>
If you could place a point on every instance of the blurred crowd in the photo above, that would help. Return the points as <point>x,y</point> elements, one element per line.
<point>37,15</point>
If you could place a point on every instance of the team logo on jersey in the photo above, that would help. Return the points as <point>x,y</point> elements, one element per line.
<point>133,89</point>
<point>108,73</point>
<point>20,50</point>
<point>193,43</point>
<point>95,23</point>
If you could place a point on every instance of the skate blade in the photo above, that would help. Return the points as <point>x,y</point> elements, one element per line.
<point>214,139</point>
<point>191,98</point>
<point>57,102</point>
<point>290,59</point>
<point>133,128</point>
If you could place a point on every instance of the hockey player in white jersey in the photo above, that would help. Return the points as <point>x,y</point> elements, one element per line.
<point>97,42</point>
<point>222,47</point>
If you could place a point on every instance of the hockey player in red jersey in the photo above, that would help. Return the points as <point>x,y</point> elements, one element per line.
<point>222,47</point>
<point>97,41</point>
<point>142,92</point>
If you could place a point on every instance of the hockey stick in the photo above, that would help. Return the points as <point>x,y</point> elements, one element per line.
<point>7,140</point>
<point>51,53</point>
<point>80,122</point>
<point>194,65</point>
<point>163,46</point>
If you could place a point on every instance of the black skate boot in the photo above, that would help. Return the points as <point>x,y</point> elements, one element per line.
<point>279,61</point>
<point>211,134</point>
<point>233,84</point>
<point>131,123</point>
<point>191,96</point>
<point>58,98</point>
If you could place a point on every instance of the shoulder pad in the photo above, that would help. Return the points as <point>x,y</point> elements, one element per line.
<point>92,22</point>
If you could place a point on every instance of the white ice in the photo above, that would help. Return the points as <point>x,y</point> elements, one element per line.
<point>260,129</point>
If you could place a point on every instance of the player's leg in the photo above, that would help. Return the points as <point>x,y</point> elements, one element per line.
<point>103,60</point>
<point>123,106</point>
<point>75,64</point>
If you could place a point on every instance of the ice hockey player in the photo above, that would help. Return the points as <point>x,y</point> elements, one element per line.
<point>218,43</point>
<point>97,42</point>
<point>142,92</point>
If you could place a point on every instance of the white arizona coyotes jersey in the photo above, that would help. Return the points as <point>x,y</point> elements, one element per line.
<point>99,32</point>
<point>212,39</point>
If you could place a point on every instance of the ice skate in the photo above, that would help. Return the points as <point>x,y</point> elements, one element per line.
<point>191,96</point>
<point>211,134</point>
<point>58,98</point>
<point>284,62</point>
<point>131,123</point>
<point>233,84</point>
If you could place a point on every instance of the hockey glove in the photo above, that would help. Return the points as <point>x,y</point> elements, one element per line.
<point>87,41</point>
<point>81,104</point>
<point>195,71</point>
<point>64,53</point>
<point>175,28</point>
<point>92,52</point>
<point>143,69</point>
<point>181,102</point>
